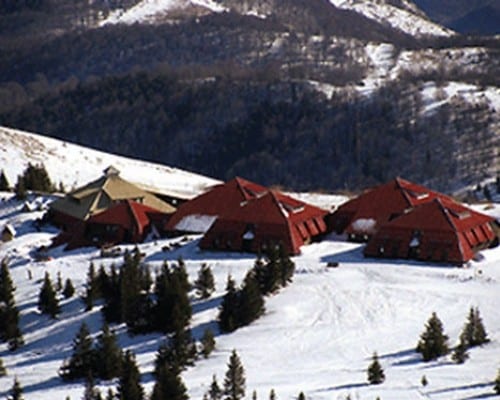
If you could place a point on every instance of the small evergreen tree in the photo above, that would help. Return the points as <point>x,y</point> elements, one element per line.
<point>272,395</point>
<point>108,355</point>
<point>228,315</point>
<point>80,365</point>
<point>301,396</point>
<point>375,372</point>
<point>4,183</point>
<point>205,283</point>
<point>497,383</point>
<point>59,285</point>
<point>424,381</point>
<point>3,370</point>
<point>69,289</point>
<point>254,395</point>
<point>474,333</point>
<point>460,353</point>
<point>251,302</point>
<point>9,314</point>
<point>47,299</point>
<point>168,385</point>
<point>215,392</point>
<point>207,343</point>
<point>433,342</point>
<point>234,382</point>
<point>20,189</point>
<point>91,392</point>
<point>129,386</point>
<point>90,288</point>
<point>16,393</point>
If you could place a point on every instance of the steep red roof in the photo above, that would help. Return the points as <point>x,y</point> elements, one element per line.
<point>382,203</point>
<point>128,214</point>
<point>442,230</point>
<point>266,220</point>
<point>218,200</point>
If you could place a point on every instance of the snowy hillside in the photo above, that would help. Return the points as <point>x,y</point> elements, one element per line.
<point>408,19</point>
<point>316,336</point>
<point>151,10</point>
<point>61,159</point>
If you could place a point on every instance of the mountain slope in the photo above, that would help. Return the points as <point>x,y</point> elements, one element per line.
<point>73,165</point>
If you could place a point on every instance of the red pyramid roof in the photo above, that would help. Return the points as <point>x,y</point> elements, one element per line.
<point>127,214</point>
<point>383,202</point>
<point>218,200</point>
<point>273,214</point>
<point>443,225</point>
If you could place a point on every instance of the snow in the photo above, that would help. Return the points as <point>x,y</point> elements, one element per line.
<point>366,225</point>
<point>196,223</point>
<point>316,336</point>
<point>147,10</point>
<point>74,165</point>
<point>403,19</point>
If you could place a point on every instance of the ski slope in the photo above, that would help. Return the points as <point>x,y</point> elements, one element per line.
<point>316,336</point>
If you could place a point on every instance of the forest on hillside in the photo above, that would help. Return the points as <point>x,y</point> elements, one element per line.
<point>271,131</point>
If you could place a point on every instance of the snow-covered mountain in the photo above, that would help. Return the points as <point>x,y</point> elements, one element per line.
<point>316,336</point>
<point>404,16</point>
<point>72,165</point>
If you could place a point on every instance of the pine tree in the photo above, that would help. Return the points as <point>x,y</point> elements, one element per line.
<point>91,392</point>
<point>16,393</point>
<point>460,353</point>
<point>287,267</point>
<point>251,302</point>
<point>9,314</point>
<point>301,396</point>
<point>234,382</point>
<point>207,343</point>
<point>3,370</point>
<point>497,383</point>
<point>375,372</point>
<point>424,381</point>
<point>47,300</point>
<point>228,315</point>
<point>90,288</point>
<point>4,183</point>
<point>272,395</point>
<point>129,386</point>
<point>474,333</point>
<point>80,365</point>
<point>205,283</point>
<point>69,289</point>
<point>215,392</point>
<point>112,298</point>
<point>168,385</point>
<point>59,285</point>
<point>108,355</point>
<point>433,342</point>
<point>20,189</point>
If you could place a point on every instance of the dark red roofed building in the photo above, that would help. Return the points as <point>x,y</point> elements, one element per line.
<point>362,216</point>
<point>198,214</point>
<point>127,221</point>
<point>440,230</point>
<point>263,221</point>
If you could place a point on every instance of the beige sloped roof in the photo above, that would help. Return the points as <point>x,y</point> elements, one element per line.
<point>102,193</point>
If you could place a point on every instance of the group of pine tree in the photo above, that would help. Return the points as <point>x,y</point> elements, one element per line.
<point>241,306</point>
<point>433,344</point>
<point>433,341</point>
<point>34,177</point>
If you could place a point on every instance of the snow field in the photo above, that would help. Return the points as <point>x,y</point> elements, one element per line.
<point>316,336</point>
